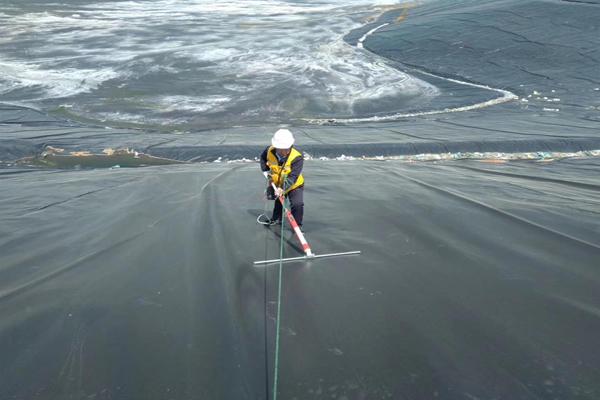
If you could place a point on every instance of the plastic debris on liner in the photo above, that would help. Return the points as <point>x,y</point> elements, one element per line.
<point>53,157</point>
<point>243,160</point>
<point>482,156</point>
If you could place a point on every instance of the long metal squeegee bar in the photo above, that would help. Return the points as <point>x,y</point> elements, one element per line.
<point>306,258</point>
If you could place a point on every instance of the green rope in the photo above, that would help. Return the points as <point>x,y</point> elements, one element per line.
<point>276,366</point>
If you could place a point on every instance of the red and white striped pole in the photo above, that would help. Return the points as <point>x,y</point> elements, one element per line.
<point>294,225</point>
<point>300,235</point>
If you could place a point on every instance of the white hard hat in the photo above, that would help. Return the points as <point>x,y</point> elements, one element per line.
<point>282,139</point>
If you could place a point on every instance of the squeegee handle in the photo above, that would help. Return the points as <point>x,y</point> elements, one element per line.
<point>293,223</point>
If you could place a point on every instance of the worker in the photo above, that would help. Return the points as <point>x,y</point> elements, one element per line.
<point>282,164</point>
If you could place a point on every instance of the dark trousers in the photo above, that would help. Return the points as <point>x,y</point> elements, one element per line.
<point>296,198</point>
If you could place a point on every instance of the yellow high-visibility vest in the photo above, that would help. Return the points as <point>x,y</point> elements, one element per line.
<point>280,172</point>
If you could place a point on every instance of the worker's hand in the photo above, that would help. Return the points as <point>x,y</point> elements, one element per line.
<point>267,175</point>
<point>278,192</point>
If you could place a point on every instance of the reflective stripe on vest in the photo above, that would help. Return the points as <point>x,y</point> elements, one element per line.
<point>280,172</point>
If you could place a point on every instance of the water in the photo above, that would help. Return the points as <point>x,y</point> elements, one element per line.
<point>196,64</point>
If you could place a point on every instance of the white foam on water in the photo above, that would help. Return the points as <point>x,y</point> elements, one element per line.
<point>57,83</point>
<point>215,54</point>
<point>126,117</point>
<point>197,104</point>
<point>254,45</point>
<point>183,9</point>
<point>360,41</point>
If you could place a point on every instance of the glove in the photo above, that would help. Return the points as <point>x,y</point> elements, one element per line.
<point>267,175</point>
<point>278,192</point>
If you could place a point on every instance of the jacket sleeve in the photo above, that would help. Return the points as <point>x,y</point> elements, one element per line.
<point>263,160</point>
<point>297,165</point>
